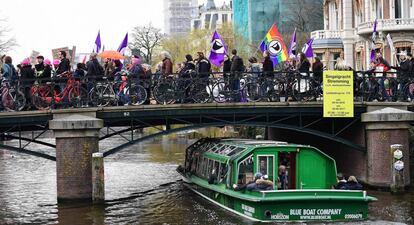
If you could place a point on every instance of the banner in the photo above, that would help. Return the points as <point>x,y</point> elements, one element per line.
<point>218,50</point>
<point>273,42</point>
<point>338,94</point>
<point>57,50</point>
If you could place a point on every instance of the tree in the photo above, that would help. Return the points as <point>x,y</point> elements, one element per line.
<point>145,39</point>
<point>6,43</point>
<point>200,41</point>
<point>304,15</point>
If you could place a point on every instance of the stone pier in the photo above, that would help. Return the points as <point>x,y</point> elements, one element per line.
<point>77,137</point>
<point>386,127</point>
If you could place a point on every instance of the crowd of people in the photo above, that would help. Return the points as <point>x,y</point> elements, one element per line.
<point>233,65</point>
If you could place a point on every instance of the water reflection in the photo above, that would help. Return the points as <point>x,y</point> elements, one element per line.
<point>142,187</point>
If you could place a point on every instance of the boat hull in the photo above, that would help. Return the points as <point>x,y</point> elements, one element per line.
<point>283,211</point>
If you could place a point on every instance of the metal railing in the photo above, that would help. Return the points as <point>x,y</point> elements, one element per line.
<point>326,34</point>
<point>124,89</point>
<point>387,25</point>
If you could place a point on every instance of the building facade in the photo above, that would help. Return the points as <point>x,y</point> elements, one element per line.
<point>178,15</point>
<point>212,17</point>
<point>253,18</point>
<point>348,27</point>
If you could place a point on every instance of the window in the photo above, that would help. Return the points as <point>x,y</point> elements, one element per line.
<point>265,165</point>
<point>332,60</point>
<point>245,168</point>
<point>333,16</point>
<point>224,18</point>
<point>397,9</point>
<point>376,9</point>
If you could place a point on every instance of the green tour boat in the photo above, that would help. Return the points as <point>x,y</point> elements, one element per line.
<point>270,181</point>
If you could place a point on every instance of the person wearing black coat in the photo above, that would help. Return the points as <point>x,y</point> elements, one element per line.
<point>203,66</point>
<point>237,67</point>
<point>405,70</point>
<point>268,67</point>
<point>317,69</point>
<point>94,70</point>
<point>27,75</point>
<point>189,67</point>
<point>64,65</point>
<point>226,64</point>
<point>304,64</point>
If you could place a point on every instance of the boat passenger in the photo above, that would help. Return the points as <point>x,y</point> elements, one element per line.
<point>352,184</point>
<point>264,184</point>
<point>341,181</point>
<point>249,186</point>
<point>282,182</point>
<point>213,177</point>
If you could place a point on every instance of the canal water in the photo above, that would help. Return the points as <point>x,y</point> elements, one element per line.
<point>142,187</point>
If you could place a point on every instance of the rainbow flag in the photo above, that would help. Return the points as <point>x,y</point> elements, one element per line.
<point>273,42</point>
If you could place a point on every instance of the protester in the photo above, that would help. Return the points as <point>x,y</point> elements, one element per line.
<point>254,67</point>
<point>304,64</point>
<point>80,71</point>
<point>237,67</point>
<point>94,69</point>
<point>27,76</point>
<point>405,70</point>
<point>8,70</point>
<point>167,66</point>
<point>226,65</point>
<point>203,66</point>
<point>267,64</point>
<point>317,69</point>
<point>64,65</point>
<point>40,67</point>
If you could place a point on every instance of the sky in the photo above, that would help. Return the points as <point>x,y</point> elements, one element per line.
<point>47,24</point>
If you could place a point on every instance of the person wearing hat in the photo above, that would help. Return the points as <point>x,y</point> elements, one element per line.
<point>264,184</point>
<point>249,186</point>
<point>27,75</point>
<point>42,72</point>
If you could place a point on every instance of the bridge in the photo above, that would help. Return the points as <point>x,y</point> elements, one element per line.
<point>360,144</point>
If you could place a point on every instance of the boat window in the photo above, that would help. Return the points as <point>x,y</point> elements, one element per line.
<point>235,151</point>
<point>245,174</point>
<point>265,165</point>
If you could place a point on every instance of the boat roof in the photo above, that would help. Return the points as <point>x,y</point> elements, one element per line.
<point>227,148</point>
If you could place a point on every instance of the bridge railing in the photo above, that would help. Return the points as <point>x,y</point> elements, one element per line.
<point>125,89</point>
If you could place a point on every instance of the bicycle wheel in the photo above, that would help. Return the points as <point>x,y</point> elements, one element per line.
<point>101,96</point>
<point>137,95</point>
<point>271,91</point>
<point>78,97</point>
<point>221,92</point>
<point>164,93</point>
<point>253,92</point>
<point>40,98</point>
<point>19,100</point>
<point>7,101</point>
<point>198,92</point>
<point>409,91</point>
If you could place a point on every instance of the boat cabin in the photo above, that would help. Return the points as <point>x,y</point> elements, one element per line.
<point>236,161</point>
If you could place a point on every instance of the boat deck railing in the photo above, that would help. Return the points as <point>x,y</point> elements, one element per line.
<point>314,193</point>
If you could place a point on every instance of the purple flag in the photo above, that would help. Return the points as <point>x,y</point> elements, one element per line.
<point>98,45</point>
<point>122,47</point>
<point>374,37</point>
<point>307,49</point>
<point>218,50</point>
<point>292,46</point>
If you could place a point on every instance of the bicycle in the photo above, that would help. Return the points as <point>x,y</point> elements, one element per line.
<point>73,93</point>
<point>12,97</point>
<point>129,92</point>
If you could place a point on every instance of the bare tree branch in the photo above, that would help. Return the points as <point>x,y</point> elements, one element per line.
<point>6,42</point>
<point>145,39</point>
<point>305,15</point>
